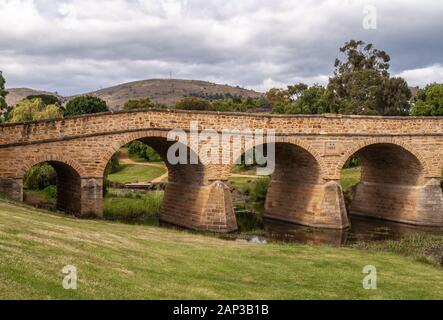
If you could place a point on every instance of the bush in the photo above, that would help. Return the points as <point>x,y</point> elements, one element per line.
<point>143,151</point>
<point>46,98</point>
<point>40,177</point>
<point>192,103</point>
<point>85,105</point>
<point>138,104</point>
<point>259,189</point>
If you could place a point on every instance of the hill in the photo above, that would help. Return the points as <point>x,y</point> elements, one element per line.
<point>168,91</point>
<point>119,261</point>
<point>17,94</point>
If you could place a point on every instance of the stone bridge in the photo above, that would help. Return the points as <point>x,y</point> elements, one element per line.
<point>401,157</point>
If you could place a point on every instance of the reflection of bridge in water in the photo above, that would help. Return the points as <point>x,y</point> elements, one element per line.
<point>363,229</point>
<point>401,159</point>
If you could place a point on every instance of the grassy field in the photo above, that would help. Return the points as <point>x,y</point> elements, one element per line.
<point>135,173</point>
<point>119,261</point>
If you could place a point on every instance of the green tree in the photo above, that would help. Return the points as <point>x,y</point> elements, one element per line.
<point>193,103</point>
<point>35,109</point>
<point>429,101</point>
<point>138,104</point>
<point>3,93</point>
<point>311,100</point>
<point>85,105</point>
<point>393,97</point>
<point>358,78</point>
<point>47,99</point>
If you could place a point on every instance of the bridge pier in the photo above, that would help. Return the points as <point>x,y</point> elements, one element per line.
<point>314,205</point>
<point>91,195</point>
<point>12,188</point>
<point>418,205</point>
<point>203,208</point>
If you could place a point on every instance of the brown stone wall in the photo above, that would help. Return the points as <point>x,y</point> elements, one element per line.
<point>406,154</point>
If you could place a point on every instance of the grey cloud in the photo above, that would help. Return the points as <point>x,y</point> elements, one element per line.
<point>81,45</point>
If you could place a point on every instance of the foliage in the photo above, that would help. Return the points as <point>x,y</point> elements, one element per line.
<point>141,206</point>
<point>429,101</point>
<point>40,177</point>
<point>3,93</point>
<point>138,104</point>
<point>47,99</point>
<point>112,167</point>
<point>192,103</point>
<point>361,83</point>
<point>140,150</point>
<point>35,109</point>
<point>236,105</point>
<point>310,100</point>
<point>85,105</point>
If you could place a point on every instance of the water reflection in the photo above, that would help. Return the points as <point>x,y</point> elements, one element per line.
<point>362,229</point>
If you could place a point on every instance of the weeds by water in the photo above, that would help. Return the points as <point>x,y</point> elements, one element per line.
<point>425,248</point>
<point>142,207</point>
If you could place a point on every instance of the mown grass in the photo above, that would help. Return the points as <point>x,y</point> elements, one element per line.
<point>128,173</point>
<point>118,261</point>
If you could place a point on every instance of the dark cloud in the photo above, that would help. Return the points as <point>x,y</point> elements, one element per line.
<point>74,46</point>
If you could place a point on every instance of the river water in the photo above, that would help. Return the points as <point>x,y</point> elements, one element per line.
<point>254,229</point>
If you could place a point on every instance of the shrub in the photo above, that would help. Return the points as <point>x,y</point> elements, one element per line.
<point>192,103</point>
<point>85,105</point>
<point>40,177</point>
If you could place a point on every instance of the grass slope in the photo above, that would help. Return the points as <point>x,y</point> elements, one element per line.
<point>124,261</point>
<point>135,173</point>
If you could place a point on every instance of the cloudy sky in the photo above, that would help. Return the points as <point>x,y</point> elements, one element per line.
<point>74,46</point>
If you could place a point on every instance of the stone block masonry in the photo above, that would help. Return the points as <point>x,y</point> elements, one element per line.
<point>401,157</point>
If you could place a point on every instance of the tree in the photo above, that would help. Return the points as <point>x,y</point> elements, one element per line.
<point>46,98</point>
<point>362,85</point>
<point>85,105</point>
<point>35,109</point>
<point>429,101</point>
<point>3,93</point>
<point>299,99</point>
<point>192,103</point>
<point>138,104</point>
<point>393,97</point>
<point>312,100</point>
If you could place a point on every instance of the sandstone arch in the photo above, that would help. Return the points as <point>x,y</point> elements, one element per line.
<point>393,184</point>
<point>69,185</point>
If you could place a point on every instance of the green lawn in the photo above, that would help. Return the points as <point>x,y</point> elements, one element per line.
<point>119,261</point>
<point>136,173</point>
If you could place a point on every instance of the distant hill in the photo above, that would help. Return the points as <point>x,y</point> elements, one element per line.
<point>17,94</point>
<point>158,90</point>
<point>168,91</point>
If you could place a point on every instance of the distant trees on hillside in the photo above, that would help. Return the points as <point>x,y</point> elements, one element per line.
<point>138,104</point>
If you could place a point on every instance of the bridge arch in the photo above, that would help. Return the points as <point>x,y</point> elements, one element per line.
<point>297,186</point>
<point>391,182</point>
<point>68,182</point>
<point>388,141</point>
